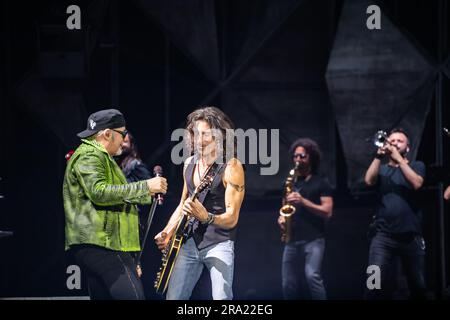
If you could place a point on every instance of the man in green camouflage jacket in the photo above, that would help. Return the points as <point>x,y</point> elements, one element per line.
<point>100,209</point>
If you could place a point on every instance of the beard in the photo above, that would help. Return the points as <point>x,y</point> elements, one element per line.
<point>125,151</point>
<point>403,153</point>
<point>119,152</point>
<point>302,166</point>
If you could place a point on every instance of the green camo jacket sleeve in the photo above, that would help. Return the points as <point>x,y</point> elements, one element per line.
<point>104,183</point>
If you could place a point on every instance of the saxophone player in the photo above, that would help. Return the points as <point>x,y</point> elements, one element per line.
<point>312,198</point>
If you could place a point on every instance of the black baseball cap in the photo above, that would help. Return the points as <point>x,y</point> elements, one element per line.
<point>103,119</point>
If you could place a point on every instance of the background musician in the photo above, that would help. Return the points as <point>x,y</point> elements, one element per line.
<point>312,197</point>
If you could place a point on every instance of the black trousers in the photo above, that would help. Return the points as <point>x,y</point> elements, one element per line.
<point>387,249</point>
<point>110,274</point>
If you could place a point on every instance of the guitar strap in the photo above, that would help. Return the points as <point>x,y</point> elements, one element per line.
<point>215,170</point>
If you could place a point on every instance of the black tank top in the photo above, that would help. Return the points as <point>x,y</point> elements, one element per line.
<point>214,202</point>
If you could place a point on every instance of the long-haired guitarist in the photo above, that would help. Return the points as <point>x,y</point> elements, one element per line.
<point>211,243</point>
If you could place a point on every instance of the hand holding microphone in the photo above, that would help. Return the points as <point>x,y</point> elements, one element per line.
<point>158,184</point>
<point>157,187</point>
<point>158,172</point>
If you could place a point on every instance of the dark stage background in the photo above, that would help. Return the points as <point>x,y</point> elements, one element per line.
<point>308,68</point>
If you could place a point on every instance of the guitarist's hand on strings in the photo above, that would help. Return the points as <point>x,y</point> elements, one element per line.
<point>195,209</point>
<point>162,240</point>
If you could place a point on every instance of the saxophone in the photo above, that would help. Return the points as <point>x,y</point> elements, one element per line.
<point>287,210</point>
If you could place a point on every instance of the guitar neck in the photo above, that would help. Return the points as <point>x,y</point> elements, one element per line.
<point>194,196</point>
<point>186,221</point>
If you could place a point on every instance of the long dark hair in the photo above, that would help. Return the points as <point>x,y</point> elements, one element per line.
<point>313,150</point>
<point>216,119</point>
<point>133,154</point>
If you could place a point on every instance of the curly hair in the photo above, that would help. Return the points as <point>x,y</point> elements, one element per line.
<point>216,119</point>
<point>313,150</point>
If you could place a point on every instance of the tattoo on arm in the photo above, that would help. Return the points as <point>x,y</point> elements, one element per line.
<point>238,188</point>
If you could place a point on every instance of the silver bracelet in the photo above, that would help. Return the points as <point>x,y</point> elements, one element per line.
<point>210,219</point>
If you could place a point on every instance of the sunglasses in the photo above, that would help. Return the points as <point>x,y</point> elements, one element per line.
<point>122,133</point>
<point>301,155</point>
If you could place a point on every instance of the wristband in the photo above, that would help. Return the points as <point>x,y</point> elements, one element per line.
<point>210,219</point>
<point>378,156</point>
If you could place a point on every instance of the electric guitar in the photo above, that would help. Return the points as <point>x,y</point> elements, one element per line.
<point>184,228</point>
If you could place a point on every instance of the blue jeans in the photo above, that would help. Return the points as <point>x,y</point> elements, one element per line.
<point>384,249</point>
<point>303,258</point>
<point>218,258</point>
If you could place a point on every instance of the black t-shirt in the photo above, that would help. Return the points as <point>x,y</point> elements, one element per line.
<point>307,225</point>
<point>399,210</point>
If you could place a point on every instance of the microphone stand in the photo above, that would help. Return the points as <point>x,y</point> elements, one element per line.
<point>149,222</point>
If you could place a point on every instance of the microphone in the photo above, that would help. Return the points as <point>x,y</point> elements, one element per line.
<point>158,172</point>
<point>446,132</point>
